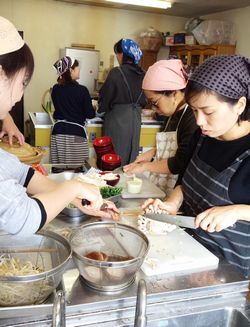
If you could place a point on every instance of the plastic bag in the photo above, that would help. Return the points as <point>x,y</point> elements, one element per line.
<point>150,39</point>
<point>215,32</point>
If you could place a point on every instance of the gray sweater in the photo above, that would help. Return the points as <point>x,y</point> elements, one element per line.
<point>19,213</point>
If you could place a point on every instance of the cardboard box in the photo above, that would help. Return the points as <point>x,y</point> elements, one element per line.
<point>169,40</point>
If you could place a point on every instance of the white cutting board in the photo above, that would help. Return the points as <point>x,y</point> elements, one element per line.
<point>149,190</point>
<point>176,251</point>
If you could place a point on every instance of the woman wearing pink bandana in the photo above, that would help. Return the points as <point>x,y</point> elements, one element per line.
<point>164,85</point>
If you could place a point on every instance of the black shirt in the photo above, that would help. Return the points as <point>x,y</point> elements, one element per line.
<point>219,155</point>
<point>72,102</point>
<point>186,129</point>
<point>114,90</point>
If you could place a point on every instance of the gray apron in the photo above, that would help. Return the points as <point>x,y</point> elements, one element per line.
<point>123,124</point>
<point>204,187</point>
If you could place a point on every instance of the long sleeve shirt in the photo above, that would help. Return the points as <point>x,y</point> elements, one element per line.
<point>19,213</point>
<point>72,102</point>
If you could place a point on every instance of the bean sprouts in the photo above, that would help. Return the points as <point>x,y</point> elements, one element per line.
<point>21,292</point>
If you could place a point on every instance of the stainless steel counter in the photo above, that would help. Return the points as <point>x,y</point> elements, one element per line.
<point>168,295</point>
<point>147,121</point>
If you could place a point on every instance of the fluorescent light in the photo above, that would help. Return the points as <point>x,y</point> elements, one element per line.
<point>145,3</point>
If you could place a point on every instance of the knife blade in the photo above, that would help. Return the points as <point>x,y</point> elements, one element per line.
<point>182,221</point>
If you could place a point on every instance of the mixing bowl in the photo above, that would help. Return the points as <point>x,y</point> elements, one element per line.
<point>40,261</point>
<point>123,246</point>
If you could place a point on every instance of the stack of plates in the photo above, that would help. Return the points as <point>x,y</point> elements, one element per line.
<point>25,153</point>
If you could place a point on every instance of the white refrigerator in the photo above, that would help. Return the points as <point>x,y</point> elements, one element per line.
<point>89,65</point>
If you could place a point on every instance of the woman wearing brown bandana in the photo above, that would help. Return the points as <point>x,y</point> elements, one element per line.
<point>214,187</point>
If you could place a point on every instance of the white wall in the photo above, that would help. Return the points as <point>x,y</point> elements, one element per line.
<point>49,25</point>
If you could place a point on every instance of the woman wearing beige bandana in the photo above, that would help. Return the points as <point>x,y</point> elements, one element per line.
<point>21,213</point>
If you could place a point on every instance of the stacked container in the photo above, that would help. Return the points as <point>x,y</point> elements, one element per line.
<point>106,158</point>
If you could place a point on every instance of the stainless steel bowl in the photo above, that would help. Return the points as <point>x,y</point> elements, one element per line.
<point>74,214</point>
<point>47,251</point>
<point>68,213</point>
<point>114,240</point>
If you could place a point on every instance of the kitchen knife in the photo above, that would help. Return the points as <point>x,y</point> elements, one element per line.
<point>183,221</point>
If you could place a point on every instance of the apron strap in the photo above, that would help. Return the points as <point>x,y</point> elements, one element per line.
<point>169,119</point>
<point>129,90</point>
<point>69,122</point>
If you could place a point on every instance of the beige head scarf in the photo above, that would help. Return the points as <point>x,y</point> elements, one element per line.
<point>10,40</point>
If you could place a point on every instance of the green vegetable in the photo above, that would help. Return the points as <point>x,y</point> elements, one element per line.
<point>108,191</point>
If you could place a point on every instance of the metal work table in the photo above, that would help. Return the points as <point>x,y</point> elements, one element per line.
<point>168,295</point>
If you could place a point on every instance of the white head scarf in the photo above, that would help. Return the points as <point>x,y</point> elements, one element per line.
<point>10,40</point>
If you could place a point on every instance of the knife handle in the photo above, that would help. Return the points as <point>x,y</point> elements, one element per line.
<point>85,202</point>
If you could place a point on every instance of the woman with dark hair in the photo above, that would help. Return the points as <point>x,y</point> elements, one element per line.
<point>164,86</point>
<point>72,103</point>
<point>29,200</point>
<point>121,99</point>
<point>215,183</point>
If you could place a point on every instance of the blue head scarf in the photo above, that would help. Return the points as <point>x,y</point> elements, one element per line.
<point>131,49</point>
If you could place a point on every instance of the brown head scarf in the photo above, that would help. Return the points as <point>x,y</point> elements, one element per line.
<point>226,75</point>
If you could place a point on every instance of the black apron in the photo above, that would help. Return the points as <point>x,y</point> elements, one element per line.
<point>204,187</point>
<point>123,124</point>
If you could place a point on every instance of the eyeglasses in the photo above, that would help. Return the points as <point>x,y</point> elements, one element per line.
<point>155,103</point>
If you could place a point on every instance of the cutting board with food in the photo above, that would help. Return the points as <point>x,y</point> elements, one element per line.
<point>148,189</point>
<point>173,251</point>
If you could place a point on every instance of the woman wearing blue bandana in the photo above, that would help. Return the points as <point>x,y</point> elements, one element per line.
<point>121,99</point>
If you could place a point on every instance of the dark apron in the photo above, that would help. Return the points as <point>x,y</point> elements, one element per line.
<point>204,187</point>
<point>123,124</point>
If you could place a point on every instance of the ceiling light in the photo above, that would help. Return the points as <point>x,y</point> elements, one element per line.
<point>145,3</point>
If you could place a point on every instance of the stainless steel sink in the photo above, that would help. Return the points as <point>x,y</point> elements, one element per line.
<point>40,119</point>
<point>226,317</point>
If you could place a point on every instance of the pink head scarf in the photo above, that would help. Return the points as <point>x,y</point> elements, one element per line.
<point>165,75</point>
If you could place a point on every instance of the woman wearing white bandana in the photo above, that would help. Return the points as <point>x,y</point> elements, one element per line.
<point>29,200</point>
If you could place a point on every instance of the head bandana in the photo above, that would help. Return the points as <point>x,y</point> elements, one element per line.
<point>226,75</point>
<point>10,40</point>
<point>63,64</point>
<point>165,75</point>
<point>131,49</point>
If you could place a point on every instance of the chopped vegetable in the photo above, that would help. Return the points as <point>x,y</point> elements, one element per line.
<point>108,191</point>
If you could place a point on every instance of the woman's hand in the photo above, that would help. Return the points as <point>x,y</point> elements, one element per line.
<point>155,204</point>
<point>146,156</point>
<point>217,218</point>
<point>89,192</point>
<point>110,212</point>
<point>10,128</point>
<point>134,168</point>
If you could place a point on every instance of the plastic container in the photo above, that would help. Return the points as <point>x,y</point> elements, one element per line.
<point>179,38</point>
<point>134,185</point>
